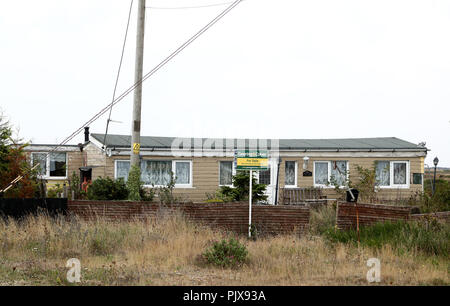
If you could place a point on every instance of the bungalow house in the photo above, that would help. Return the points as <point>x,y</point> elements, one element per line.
<point>201,166</point>
<point>56,162</point>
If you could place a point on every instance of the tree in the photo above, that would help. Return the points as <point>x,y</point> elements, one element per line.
<point>13,163</point>
<point>240,189</point>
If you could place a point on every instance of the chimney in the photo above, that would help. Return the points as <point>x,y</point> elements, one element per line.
<point>86,134</point>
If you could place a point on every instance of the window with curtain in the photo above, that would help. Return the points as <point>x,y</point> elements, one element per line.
<point>290,171</point>
<point>122,169</point>
<point>321,173</point>
<point>327,171</point>
<point>399,173</point>
<point>183,172</point>
<point>339,171</point>
<point>382,173</point>
<point>158,173</point>
<point>225,173</point>
<point>392,173</point>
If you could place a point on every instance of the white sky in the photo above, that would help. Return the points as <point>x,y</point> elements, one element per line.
<point>269,69</point>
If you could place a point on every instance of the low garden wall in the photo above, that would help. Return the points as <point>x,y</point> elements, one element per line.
<point>442,216</point>
<point>268,219</point>
<point>368,214</point>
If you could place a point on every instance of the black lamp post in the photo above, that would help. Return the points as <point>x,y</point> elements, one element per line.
<point>435,162</point>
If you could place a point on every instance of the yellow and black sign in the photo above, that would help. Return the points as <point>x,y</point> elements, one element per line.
<point>136,148</point>
<point>252,160</point>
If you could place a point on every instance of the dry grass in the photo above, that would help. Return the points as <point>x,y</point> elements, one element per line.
<point>164,251</point>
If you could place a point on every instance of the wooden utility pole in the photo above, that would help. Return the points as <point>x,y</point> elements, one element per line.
<point>136,122</point>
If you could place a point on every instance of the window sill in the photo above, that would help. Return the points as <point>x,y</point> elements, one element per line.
<point>394,187</point>
<point>53,178</point>
<point>174,187</point>
<point>328,187</point>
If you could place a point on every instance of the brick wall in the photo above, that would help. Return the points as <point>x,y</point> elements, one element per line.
<point>368,214</point>
<point>230,216</point>
<point>442,216</point>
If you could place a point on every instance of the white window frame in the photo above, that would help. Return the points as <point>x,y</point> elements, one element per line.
<point>329,172</point>
<point>173,168</point>
<point>47,171</point>
<point>175,172</point>
<point>115,166</point>
<point>296,174</point>
<point>233,172</point>
<point>391,175</point>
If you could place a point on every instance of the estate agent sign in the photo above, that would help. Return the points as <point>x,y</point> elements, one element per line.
<point>251,160</point>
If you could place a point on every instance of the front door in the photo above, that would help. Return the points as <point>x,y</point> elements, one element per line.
<point>269,177</point>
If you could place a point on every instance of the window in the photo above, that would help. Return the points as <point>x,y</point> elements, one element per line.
<point>225,173</point>
<point>264,177</point>
<point>321,173</point>
<point>417,178</point>
<point>40,158</point>
<point>183,173</point>
<point>51,165</point>
<point>158,172</point>
<point>399,173</point>
<point>327,172</point>
<point>392,174</point>
<point>290,177</point>
<point>383,173</point>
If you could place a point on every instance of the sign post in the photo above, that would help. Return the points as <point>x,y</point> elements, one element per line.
<point>250,205</point>
<point>251,160</point>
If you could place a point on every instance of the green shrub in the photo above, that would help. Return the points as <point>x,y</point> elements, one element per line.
<point>440,201</point>
<point>428,237</point>
<point>107,189</point>
<point>74,186</point>
<point>134,184</point>
<point>166,195</point>
<point>55,191</point>
<point>240,189</point>
<point>225,253</point>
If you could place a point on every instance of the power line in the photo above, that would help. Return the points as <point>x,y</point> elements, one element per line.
<point>118,72</point>
<point>187,7</point>
<point>130,89</point>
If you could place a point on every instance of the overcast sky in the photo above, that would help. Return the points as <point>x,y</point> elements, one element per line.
<point>269,69</point>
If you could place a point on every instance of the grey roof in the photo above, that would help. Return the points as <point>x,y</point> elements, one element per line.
<point>379,143</point>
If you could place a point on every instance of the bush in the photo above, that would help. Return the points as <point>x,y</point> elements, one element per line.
<point>166,195</point>
<point>428,236</point>
<point>240,189</point>
<point>440,201</point>
<point>107,189</point>
<point>74,186</point>
<point>229,253</point>
<point>134,184</point>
